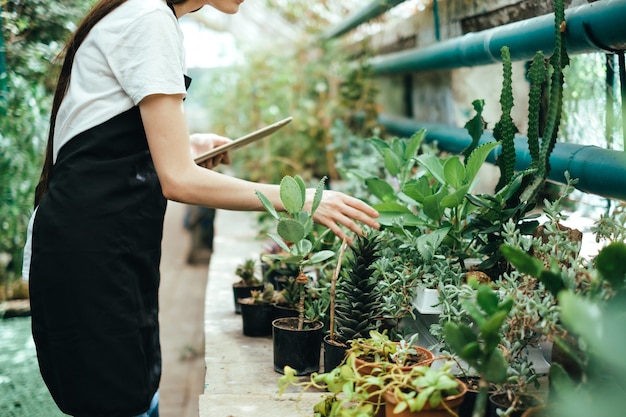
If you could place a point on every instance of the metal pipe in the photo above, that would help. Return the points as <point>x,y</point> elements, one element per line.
<point>592,27</point>
<point>599,171</point>
<point>369,12</point>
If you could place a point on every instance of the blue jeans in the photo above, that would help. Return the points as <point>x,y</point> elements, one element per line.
<point>154,407</point>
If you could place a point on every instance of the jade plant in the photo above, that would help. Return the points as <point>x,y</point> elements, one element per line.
<point>294,232</point>
<point>479,346</point>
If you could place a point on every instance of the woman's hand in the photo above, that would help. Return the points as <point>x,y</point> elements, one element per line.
<point>203,142</point>
<point>338,209</point>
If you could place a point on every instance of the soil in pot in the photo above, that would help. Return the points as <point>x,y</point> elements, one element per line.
<point>501,401</point>
<point>256,318</point>
<point>334,353</point>
<point>452,403</point>
<point>243,291</point>
<point>299,349</point>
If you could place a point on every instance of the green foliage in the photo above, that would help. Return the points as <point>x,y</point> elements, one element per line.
<point>480,349</point>
<point>32,34</point>
<point>537,77</point>
<point>475,127</point>
<point>317,86</point>
<point>505,129</point>
<point>247,272</point>
<point>358,307</point>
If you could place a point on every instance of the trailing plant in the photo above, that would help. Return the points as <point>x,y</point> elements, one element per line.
<point>351,390</point>
<point>294,227</point>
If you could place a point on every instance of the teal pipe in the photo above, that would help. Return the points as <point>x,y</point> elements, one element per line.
<point>369,12</point>
<point>599,171</point>
<point>592,27</point>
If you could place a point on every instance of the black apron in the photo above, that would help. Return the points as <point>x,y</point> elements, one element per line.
<point>94,273</point>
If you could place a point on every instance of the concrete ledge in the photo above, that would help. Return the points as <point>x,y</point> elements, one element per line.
<point>240,378</point>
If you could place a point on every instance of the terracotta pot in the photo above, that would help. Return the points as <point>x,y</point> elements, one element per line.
<point>367,368</point>
<point>452,403</point>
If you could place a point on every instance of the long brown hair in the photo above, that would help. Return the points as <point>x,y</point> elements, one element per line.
<point>100,10</point>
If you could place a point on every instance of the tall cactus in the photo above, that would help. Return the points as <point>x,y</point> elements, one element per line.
<point>505,129</point>
<point>558,61</point>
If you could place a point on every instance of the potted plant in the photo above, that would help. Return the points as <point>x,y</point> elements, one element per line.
<point>257,312</point>
<point>433,391</point>
<point>248,281</point>
<point>478,342</point>
<point>297,342</point>
<point>355,299</point>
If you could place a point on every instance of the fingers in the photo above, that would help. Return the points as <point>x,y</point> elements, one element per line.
<point>338,209</point>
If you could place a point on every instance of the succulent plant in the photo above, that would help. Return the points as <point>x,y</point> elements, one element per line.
<point>358,304</point>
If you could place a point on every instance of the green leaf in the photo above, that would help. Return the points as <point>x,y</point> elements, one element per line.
<point>454,172</point>
<point>391,207</point>
<point>320,256</point>
<point>433,164</point>
<point>418,189</point>
<point>611,264</point>
<point>458,336</point>
<point>455,199</point>
<point>290,230</point>
<point>267,205</point>
<point>523,262</point>
<point>476,160</point>
<point>433,207</point>
<point>487,299</point>
<point>581,316</point>
<point>291,195</point>
<point>392,162</point>
<point>381,189</point>
<point>279,241</point>
<point>496,367</point>
<point>317,199</point>
<point>301,185</point>
<point>492,324</point>
<point>413,144</point>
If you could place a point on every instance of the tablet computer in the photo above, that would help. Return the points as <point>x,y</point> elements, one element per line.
<point>244,140</point>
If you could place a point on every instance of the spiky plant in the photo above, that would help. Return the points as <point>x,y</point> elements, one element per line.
<point>358,305</point>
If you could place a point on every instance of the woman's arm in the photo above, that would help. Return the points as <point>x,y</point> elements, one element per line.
<point>182,180</point>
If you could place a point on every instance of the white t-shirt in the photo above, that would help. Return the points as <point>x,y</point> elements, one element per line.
<point>134,51</point>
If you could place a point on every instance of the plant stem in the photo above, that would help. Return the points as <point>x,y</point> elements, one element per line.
<point>333,290</point>
<point>481,399</point>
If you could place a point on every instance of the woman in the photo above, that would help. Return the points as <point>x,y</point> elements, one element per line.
<point>118,149</point>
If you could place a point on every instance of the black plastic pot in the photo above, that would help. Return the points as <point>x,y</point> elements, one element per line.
<point>299,349</point>
<point>283,311</point>
<point>334,354</point>
<point>467,406</point>
<point>500,401</point>
<point>241,291</point>
<point>256,319</point>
